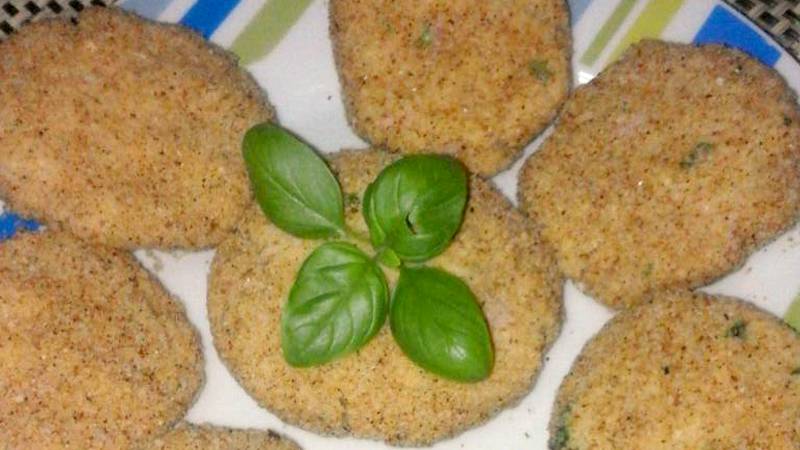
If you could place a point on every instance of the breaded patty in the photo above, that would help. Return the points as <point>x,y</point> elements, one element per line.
<point>667,170</point>
<point>378,393</point>
<point>93,352</point>
<point>475,80</point>
<point>206,437</point>
<point>124,131</point>
<point>683,372</point>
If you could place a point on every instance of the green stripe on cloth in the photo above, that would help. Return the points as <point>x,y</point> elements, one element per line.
<point>267,28</point>
<point>607,31</point>
<point>792,316</point>
<point>655,17</point>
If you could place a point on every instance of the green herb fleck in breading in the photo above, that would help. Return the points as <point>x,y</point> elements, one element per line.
<point>540,70</point>
<point>560,438</point>
<point>737,330</point>
<point>425,38</point>
<point>787,120</point>
<point>648,270</point>
<point>795,371</point>
<point>699,153</point>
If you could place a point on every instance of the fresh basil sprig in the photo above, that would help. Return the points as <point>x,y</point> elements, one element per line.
<point>439,325</point>
<point>293,186</point>
<point>416,206</point>
<point>339,299</point>
<point>336,305</point>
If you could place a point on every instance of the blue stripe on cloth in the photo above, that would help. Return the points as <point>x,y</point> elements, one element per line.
<point>206,16</point>
<point>151,9</point>
<point>725,27</point>
<point>577,8</point>
<point>10,223</point>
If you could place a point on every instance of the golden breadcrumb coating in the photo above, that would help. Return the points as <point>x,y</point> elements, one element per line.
<point>125,131</point>
<point>378,393</point>
<point>208,437</point>
<point>683,372</point>
<point>475,80</point>
<point>94,354</point>
<point>667,170</point>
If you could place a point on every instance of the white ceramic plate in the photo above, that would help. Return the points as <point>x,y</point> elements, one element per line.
<point>291,58</point>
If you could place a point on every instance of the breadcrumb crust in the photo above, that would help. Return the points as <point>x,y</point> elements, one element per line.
<point>379,393</point>
<point>95,354</point>
<point>124,131</point>
<point>187,436</point>
<point>666,171</point>
<point>475,80</point>
<point>683,371</point>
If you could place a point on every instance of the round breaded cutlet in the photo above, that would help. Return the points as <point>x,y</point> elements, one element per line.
<point>475,80</point>
<point>378,393</point>
<point>683,371</point>
<point>207,437</point>
<point>93,352</point>
<point>124,131</point>
<point>666,171</point>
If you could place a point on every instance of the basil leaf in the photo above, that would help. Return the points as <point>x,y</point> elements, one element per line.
<point>292,184</point>
<point>336,305</point>
<point>416,206</point>
<point>437,322</point>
